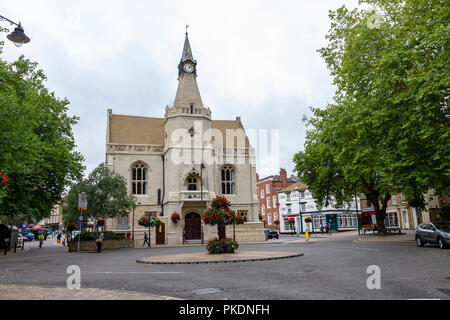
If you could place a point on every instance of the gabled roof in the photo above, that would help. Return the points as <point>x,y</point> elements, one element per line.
<point>296,186</point>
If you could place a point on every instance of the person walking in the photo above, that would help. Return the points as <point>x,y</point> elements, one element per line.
<point>41,239</point>
<point>146,239</point>
<point>58,238</point>
<point>100,239</point>
<point>321,228</point>
<point>327,228</point>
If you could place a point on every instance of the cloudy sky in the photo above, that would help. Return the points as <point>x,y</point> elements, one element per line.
<point>256,60</point>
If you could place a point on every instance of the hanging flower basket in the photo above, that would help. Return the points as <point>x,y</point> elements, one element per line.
<point>277,222</point>
<point>175,217</point>
<point>308,219</point>
<point>219,213</point>
<point>149,222</point>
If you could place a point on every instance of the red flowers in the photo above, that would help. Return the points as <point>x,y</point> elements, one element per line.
<point>3,178</point>
<point>149,222</point>
<point>175,217</point>
<point>221,214</point>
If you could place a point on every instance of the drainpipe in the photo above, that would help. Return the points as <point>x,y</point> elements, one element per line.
<point>164,185</point>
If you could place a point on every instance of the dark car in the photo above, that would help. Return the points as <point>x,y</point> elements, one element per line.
<point>433,232</point>
<point>273,234</point>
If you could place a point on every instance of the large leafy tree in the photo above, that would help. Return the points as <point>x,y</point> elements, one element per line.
<point>387,130</point>
<point>37,147</point>
<point>107,196</point>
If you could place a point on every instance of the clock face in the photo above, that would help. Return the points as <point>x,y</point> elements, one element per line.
<point>188,67</point>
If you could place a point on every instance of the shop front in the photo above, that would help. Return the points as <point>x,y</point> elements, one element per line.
<point>336,220</point>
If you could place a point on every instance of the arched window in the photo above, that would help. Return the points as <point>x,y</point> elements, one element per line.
<point>262,194</point>
<point>228,180</point>
<point>192,183</point>
<point>139,179</point>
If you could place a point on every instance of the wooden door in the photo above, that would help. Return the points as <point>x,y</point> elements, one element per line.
<point>161,234</point>
<point>193,226</point>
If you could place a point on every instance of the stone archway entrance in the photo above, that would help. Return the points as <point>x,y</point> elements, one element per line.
<point>193,226</point>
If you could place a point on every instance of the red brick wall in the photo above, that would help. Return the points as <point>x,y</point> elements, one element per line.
<point>274,209</point>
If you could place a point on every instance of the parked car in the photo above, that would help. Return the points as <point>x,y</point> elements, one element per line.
<point>433,232</point>
<point>28,236</point>
<point>273,234</point>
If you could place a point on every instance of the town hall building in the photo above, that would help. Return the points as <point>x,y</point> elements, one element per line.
<point>179,163</point>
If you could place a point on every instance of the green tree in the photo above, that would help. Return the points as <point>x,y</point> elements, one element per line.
<point>107,196</point>
<point>37,147</point>
<point>387,130</point>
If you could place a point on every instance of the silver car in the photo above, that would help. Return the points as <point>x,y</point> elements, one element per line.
<point>433,232</point>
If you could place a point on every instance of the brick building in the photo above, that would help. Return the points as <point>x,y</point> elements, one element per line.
<point>55,219</point>
<point>268,189</point>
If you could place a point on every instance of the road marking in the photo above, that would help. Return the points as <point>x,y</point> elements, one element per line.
<point>369,249</point>
<point>136,272</point>
<point>207,291</point>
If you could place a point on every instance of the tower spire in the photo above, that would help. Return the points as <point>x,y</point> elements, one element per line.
<point>187,93</point>
<point>187,52</point>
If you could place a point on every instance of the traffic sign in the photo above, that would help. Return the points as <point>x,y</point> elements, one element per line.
<point>80,224</point>
<point>80,218</point>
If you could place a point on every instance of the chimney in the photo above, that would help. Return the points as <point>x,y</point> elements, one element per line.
<point>283,176</point>
<point>257,177</point>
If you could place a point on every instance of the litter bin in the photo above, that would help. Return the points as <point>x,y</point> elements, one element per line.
<point>128,235</point>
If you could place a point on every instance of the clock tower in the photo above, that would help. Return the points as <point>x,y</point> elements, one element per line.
<point>187,66</point>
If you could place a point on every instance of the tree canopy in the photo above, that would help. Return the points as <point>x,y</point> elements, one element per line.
<point>37,147</point>
<point>388,128</point>
<point>107,196</point>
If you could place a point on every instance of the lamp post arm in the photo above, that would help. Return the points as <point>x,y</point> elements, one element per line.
<point>2,18</point>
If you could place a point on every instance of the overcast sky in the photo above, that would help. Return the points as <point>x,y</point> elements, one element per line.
<point>256,60</point>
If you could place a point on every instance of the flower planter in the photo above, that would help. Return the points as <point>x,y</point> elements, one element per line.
<point>223,246</point>
<point>228,249</point>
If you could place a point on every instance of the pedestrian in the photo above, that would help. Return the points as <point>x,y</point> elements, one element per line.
<point>321,228</point>
<point>100,239</point>
<point>58,238</point>
<point>327,228</point>
<point>146,239</point>
<point>41,239</point>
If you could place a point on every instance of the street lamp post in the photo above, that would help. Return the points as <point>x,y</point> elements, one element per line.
<point>18,36</point>
<point>132,223</point>
<point>202,166</point>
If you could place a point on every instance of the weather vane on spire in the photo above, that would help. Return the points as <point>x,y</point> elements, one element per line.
<point>187,26</point>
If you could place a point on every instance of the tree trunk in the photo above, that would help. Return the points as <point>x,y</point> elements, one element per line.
<point>380,213</point>
<point>221,230</point>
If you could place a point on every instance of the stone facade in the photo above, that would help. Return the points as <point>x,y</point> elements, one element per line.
<point>179,163</point>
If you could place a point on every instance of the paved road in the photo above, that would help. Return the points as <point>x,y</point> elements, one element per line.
<point>328,270</point>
